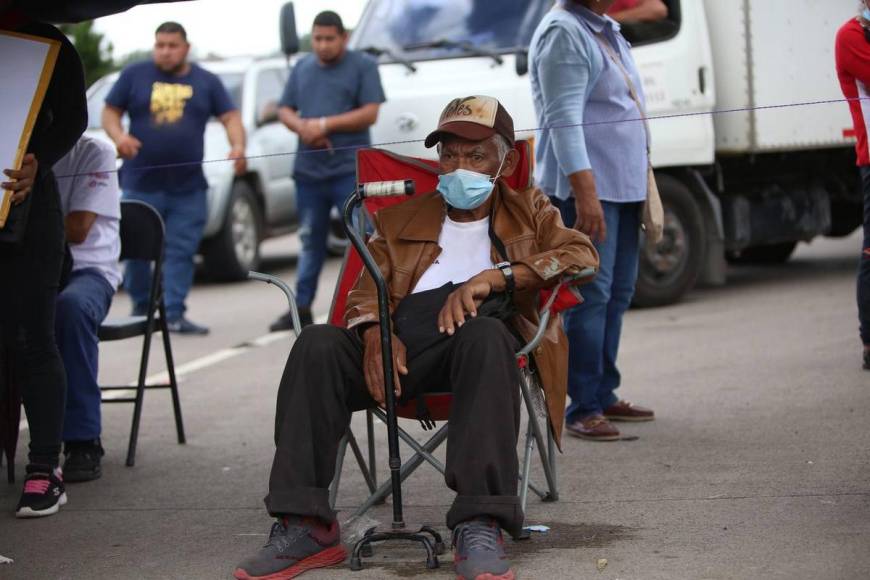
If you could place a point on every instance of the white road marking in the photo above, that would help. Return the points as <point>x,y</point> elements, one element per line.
<point>202,362</point>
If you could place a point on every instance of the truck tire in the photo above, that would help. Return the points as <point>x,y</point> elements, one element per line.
<point>769,254</point>
<point>235,249</point>
<point>668,271</point>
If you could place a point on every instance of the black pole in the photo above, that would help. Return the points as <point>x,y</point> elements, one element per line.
<point>386,354</point>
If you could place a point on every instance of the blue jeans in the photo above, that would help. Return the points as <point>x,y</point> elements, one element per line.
<point>864,271</point>
<point>315,200</point>
<point>81,308</point>
<point>594,327</point>
<point>184,216</point>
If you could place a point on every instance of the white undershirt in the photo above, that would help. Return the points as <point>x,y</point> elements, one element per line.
<point>465,252</point>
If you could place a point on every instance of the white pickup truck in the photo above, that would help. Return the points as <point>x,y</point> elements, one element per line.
<point>745,185</point>
<point>242,211</point>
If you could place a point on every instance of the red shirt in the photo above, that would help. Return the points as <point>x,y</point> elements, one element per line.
<point>852,53</point>
<point>621,5</point>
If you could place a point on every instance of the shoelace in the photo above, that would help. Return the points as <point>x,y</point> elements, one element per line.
<point>478,536</point>
<point>36,486</point>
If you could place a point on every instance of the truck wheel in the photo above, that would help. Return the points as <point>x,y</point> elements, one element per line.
<point>769,254</point>
<point>235,249</point>
<point>668,271</point>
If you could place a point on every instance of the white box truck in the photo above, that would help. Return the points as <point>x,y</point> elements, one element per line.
<point>741,178</point>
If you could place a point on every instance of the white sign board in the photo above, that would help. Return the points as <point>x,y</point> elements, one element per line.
<point>25,71</point>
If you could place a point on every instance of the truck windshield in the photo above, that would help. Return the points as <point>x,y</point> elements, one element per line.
<point>495,26</point>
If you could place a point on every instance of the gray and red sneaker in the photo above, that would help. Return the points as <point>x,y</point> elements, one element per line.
<point>295,545</point>
<point>478,551</point>
<point>43,493</point>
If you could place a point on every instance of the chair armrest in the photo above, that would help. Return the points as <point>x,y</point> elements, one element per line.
<point>561,297</point>
<point>291,298</point>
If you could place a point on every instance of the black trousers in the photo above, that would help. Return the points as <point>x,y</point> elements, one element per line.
<point>323,384</point>
<point>864,270</point>
<point>30,271</point>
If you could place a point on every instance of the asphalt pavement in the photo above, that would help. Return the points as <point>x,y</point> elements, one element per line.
<point>756,466</point>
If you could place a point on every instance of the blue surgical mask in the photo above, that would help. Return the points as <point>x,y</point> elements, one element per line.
<point>464,189</point>
<point>866,13</point>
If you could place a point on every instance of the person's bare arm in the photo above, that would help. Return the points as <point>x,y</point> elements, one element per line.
<point>290,118</point>
<point>232,122</point>
<point>464,301</point>
<point>355,120</point>
<point>20,182</point>
<point>77,225</point>
<point>645,11</point>
<point>590,214</point>
<point>127,145</point>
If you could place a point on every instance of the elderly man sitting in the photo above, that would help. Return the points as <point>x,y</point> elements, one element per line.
<point>443,257</point>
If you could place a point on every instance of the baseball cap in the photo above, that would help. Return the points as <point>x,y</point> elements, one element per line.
<point>477,117</point>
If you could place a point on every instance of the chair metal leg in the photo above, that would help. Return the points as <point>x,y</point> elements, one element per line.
<point>339,463</point>
<point>354,446</point>
<point>551,456</point>
<point>527,465</point>
<point>170,370</point>
<point>407,468</point>
<point>140,394</point>
<point>370,434</point>
<point>549,474</point>
<point>412,443</point>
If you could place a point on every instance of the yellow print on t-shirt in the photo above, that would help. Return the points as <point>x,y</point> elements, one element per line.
<point>167,102</point>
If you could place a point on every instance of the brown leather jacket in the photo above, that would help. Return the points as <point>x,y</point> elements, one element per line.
<point>406,244</point>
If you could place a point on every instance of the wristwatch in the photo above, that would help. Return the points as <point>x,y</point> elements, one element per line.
<point>508,273</point>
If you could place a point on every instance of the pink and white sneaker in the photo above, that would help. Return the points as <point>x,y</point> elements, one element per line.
<point>43,493</point>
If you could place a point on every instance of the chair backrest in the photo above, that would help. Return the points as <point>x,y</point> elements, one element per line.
<point>380,165</point>
<point>141,232</point>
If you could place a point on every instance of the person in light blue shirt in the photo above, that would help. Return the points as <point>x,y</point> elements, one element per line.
<point>592,160</point>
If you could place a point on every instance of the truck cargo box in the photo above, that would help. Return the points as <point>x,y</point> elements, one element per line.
<point>776,52</point>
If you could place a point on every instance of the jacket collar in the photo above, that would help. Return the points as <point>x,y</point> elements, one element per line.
<point>427,217</point>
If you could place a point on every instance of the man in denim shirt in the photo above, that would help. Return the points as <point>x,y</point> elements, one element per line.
<point>597,176</point>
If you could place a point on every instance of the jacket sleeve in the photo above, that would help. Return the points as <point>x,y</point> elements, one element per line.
<point>362,301</point>
<point>564,70</point>
<point>852,53</point>
<point>561,250</point>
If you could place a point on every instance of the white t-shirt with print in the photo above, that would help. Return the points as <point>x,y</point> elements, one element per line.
<point>465,252</point>
<point>94,189</point>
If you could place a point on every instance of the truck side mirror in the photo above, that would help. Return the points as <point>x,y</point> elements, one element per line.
<point>289,36</point>
<point>521,62</point>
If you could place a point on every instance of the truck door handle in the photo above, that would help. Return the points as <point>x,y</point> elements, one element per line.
<point>702,79</point>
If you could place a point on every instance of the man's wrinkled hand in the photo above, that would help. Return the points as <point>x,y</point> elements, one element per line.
<point>373,365</point>
<point>463,302</point>
<point>590,217</point>
<point>128,146</point>
<point>21,181</point>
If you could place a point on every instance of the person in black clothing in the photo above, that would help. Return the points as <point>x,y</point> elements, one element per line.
<point>32,266</point>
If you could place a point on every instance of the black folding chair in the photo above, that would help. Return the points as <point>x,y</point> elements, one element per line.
<point>142,239</point>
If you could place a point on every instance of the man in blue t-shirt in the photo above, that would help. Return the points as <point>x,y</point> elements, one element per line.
<point>169,102</point>
<point>331,99</point>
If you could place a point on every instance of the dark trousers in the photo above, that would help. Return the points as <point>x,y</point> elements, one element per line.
<point>81,308</point>
<point>30,273</point>
<point>323,384</point>
<point>864,271</point>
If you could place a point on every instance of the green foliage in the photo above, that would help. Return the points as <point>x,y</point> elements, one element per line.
<point>95,52</point>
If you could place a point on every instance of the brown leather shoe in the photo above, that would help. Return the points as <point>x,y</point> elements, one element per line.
<point>625,411</point>
<point>593,428</point>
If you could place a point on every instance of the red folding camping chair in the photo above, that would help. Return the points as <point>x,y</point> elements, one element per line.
<point>375,165</point>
